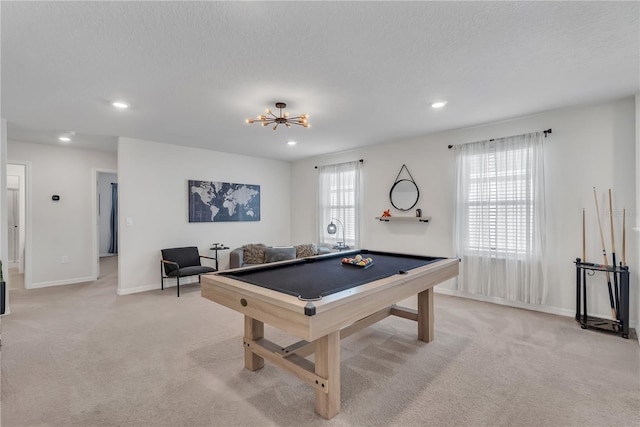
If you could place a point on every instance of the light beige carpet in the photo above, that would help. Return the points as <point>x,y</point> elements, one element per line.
<point>80,355</point>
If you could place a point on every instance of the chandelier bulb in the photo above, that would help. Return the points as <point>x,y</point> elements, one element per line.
<point>275,127</point>
<point>250,121</point>
<point>268,111</point>
<point>265,124</point>
<point>286,114</point>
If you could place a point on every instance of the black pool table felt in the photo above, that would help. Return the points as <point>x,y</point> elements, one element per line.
<point>313,278</point>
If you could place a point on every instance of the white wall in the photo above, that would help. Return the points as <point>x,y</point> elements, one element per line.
<point>590,146</point>
<point>153,196</point>
<point>104,215</point>
<point>62,228</point>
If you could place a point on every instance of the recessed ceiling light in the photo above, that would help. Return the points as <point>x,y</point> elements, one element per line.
<point>292,143</point>
<point>120,104</point>
<point>439,104</point>
<point>64,138</point>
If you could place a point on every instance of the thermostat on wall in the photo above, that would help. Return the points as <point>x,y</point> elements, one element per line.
<point>55,197</point>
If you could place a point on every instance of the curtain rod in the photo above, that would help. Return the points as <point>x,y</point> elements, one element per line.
<point>546,132</point>
<point>361,161</point>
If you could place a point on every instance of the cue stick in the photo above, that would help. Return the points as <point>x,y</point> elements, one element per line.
<point>613,255</point>
<point>604,254</point>
<point>624,236</point>
<point>584,239</point>
<point>613,240</point>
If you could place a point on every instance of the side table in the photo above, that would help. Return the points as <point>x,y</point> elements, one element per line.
<point>215,247</point>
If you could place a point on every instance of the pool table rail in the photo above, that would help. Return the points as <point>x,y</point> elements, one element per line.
<point>333,311</point>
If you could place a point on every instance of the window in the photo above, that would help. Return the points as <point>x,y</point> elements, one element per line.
<point>499,225</point>
<point>500,203</point>
<point>339,201</point>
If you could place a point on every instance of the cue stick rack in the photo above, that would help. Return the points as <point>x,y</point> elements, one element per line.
<point>619,325</point>
<point>618,290</point>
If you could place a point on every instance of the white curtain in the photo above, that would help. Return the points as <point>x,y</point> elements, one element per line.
<point>340,197</point>
<point>499,224</point>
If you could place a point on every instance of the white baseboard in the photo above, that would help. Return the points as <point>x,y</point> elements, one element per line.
<point>541,308</point>
<point>168,283</point>
<point>62,282</point>
<point>494,300</point>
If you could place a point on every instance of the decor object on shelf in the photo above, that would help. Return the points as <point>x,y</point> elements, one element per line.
<point>404,193</point>
<point>282,119</point>
<point>386,213</point>
<point>332,229</point>
<point>223,201</point>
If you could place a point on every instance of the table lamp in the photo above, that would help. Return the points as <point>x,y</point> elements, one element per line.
<point>333,229</point>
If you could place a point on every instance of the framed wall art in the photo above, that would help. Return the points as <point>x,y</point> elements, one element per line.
<point>212,201</point>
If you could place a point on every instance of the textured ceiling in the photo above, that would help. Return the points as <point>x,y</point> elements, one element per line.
<point>366,72</point>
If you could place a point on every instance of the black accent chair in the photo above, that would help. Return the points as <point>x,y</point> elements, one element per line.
<point>182,262</point>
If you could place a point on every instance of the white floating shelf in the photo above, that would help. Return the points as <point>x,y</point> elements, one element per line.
<point>404,218</point>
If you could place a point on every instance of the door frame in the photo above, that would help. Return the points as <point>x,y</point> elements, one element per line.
<point>95,219</point>
<point>26,260</point>
<point>15,205</point>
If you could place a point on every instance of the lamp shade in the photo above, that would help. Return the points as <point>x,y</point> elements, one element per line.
<point>332,228</point>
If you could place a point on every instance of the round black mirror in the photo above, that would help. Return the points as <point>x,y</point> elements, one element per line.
<point>404,194</point>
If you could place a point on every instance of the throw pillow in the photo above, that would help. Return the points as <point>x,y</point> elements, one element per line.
<point>305,250</point>
<point>279,254</point>
<point>253,253</point>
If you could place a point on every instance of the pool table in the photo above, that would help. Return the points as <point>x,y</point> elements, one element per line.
<point>322,300</point>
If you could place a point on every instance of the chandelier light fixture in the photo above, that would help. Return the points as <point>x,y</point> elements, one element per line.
<point>282,119</point>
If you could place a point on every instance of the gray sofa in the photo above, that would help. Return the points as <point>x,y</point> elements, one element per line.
<point>258,253</point>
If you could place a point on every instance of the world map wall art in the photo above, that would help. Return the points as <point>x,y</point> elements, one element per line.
<point>223,201</point>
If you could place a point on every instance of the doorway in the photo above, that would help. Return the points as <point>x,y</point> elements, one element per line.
<point>17,225</point>
<point>13,228</point>
<point>107,218</point>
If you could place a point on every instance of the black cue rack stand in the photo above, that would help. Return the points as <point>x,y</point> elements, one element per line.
<point>620,294</point>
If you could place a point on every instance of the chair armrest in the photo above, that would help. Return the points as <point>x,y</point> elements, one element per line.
<point>212,259</point>
<point>169,262</point>
<point>236,258</point>
<point>164,271</point>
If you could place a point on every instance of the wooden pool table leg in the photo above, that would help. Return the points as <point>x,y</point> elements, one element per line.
<point>327,361</point>
<point>425,315</point>
<point>253,330</point>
